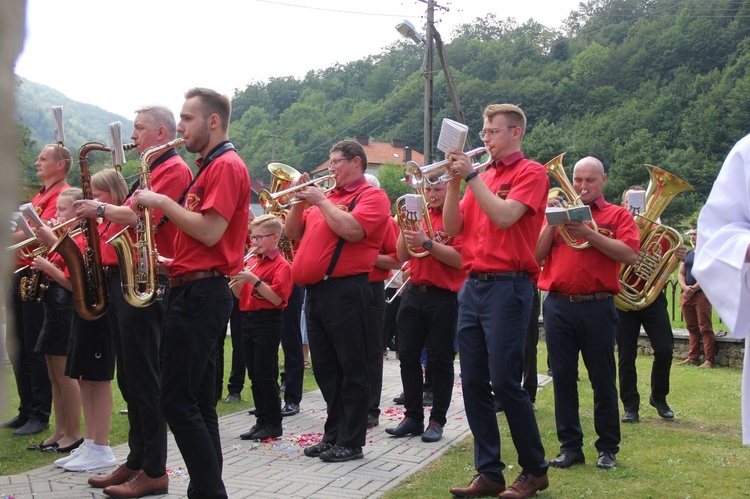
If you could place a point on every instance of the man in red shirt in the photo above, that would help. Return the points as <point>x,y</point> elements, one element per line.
<point>500,217</point>
<point>340,238</point>
<point>209,245</point>
<point>139,330</point>
<point>580,316</point>
<point>30,367</point>
<point>427,319</point>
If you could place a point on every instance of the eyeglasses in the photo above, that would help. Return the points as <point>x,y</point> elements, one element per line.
<point>335,162</point>
<point>492,131</point>
<point>258,239</point>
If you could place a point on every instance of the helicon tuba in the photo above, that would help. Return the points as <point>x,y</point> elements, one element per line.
<point>138,260</point>
<point>555,168</point>
<point>411,219</point>
<point>642,282</point>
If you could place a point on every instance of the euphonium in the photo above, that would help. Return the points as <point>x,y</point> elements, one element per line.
<point>555,168</point>
<point>642,282</point>
<point>282,176</point>
<point>138,260</point>
<point>409,219</point>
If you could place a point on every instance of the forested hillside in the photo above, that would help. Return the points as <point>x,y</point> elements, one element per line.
<point>663,82</point>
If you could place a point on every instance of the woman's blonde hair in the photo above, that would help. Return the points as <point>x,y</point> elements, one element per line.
<point>111,181</point>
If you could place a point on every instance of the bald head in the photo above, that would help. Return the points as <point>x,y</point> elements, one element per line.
<point>589,178</point>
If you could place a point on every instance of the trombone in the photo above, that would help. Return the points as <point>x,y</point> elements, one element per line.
<point>284,200</point>
<point>416,175</point>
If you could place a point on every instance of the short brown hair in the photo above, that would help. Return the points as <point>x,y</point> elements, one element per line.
<point>213,103</point>
<point>61,153</point>
<point>513,113</point>
<point>351,149</point>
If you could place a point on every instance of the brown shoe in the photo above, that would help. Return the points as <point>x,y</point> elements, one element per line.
<point>140,485</point>
<point>688,361</point>
<point>121,475</point>
<point>480,486</point>
<point>526,485</point>
<point>706,365</point>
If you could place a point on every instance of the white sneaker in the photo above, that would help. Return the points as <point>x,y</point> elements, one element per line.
<point>73,454</point>
<point>93,459</point>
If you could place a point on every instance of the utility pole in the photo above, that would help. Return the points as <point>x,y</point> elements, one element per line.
<point>428,87</point>
<point>274,136</point>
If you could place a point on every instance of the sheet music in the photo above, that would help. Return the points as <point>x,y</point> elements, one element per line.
<point>452,135</point>
<point>115,139</point>
<point>59,128</point>
<point>636,202</point>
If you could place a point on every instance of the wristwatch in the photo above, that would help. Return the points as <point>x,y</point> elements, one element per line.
<point>100,210</point>
<point>427,244</point>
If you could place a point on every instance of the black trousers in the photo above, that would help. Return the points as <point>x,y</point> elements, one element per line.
<point>530,380</point>
<point>655,321</point>
<point>30,368</point>
<point>336,311</point>
<point>238,370</point>
<point>261,333</point>
<point>589,328</point>
<point>375,346</point>
<point>389,326</point>
<point>138,339</point>
<point>427,319</point>
<point>198,312</point>
<point>291,343</point>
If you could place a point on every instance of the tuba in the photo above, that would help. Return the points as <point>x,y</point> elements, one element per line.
<point>282,176</point>
<point>555,168</point>
<point>138,260</point>
<point>642,282</point>
<point>410,215</point>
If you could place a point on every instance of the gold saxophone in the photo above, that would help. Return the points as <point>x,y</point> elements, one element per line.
<point>642,282</point>
<point>138,260</point>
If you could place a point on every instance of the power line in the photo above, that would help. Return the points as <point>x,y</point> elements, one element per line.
<point>285,4</point>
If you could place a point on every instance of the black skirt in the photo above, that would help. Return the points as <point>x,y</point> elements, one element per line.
<point>58,316</point>
<point>91,350</point>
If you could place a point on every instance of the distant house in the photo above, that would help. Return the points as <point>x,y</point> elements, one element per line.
<point>379,153</point>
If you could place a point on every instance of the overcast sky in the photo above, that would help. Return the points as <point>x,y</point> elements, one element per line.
<point>120,55</point>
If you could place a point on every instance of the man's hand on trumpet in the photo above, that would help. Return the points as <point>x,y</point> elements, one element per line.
<point>312,193</point>
<point>460,163</point>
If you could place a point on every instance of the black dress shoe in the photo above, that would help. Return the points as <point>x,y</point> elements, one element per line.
<point>69,448</point>
<point>248,435</point>
<point>290,409</point>
<point>662,408</point>
<point>606,461</point>
<point>406,427</point>
<point>14,423</point>
<point>427,398</point>
<point>372,421</point>
<point>233,398</point>
<point>433,433</point>
<point>630,417</point>
<point>566,459</point>
<point>32,427</point>
<point>338,454</point>
<point>252,411</point>
<point>317,449</point>
<point>400,399</point>
<point>41,446</point>
<point>268,432</point>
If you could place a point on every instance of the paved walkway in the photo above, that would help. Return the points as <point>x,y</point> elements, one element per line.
<point>280,469</point>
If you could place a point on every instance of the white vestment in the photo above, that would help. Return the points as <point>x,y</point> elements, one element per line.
<point>720,261</point>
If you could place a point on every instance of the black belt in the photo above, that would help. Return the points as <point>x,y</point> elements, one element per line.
<point>431,289</point>
<point>501,276</point>
<point>111,269</point>
<point>581,298</point>
<point>193,276</point>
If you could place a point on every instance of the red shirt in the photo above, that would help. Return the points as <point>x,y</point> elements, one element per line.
<point>488,248</point>
<point>277,273</point>
<point>107,230</point>
<point>169,178</point>
<point>319,242</point>
<point>429,271</point>
<point>45,205</point>
<point>575,271</point>
<point>388,248</point>
<point>224,187</point>
<point>78,238</point>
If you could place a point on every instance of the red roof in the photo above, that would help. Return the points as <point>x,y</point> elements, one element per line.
<point>379,153</point>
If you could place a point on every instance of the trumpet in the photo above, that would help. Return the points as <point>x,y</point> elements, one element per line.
<point>284,200</point>
<point>43,248</point>
<point>416,175</point>
<point>233,281</point>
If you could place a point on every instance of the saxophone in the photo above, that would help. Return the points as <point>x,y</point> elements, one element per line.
<point>138,260</point>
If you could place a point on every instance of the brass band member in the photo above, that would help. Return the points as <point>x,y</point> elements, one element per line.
<point>212,224</point>
<point>579,314</point>
<point>427,319</point>
<point>29,367</point>
<point>500,218</point>
<point>138,332</point>
<point>340,236</point>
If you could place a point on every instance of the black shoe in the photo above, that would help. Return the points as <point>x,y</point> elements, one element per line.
<point>566,459</point>
<point>16,422</point>
<point>63,450</point>
<point>317,449</point>
<point>290,409</point>
<point>662,408</point>
<point>372,421</point>
<point>427,398</point>
<point>400,399</point>
<point>232,398</point>
<point>252,411</point>
<point>40,446</point>
<point>338,454</point>
<point>498,406</point>
<point>606,461</point>
<point>433,433</point>
<point>406,427</point>
<point>268,432</point>
<point>630,417</point>
<point>248,435</point>
<point>32,427</point>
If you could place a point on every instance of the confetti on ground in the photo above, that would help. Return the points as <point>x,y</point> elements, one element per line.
<point>178,474</point>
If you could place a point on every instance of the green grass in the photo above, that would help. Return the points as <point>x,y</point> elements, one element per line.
<point>699,454</point>
<point>15,459</point>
